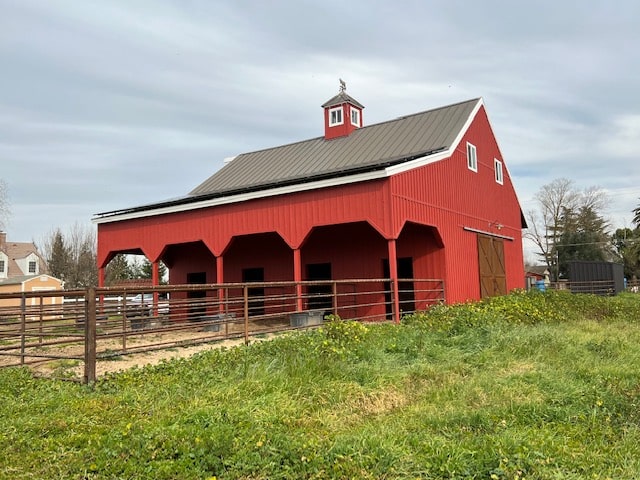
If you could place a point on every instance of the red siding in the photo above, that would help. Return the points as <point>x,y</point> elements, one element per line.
<point>291,216</point>
<point>242,253</point>
<point>426,209</point>
<point>448,195</point>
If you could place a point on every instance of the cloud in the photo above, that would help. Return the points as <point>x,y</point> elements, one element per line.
<point>115,104</point>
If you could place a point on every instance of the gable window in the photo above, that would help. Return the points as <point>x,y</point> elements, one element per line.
<point>497,165</point>
<point>1,266</point>
<point>472,159</point>
<point>335,116</point>
<point>355,117</point>
<point>32,267</point>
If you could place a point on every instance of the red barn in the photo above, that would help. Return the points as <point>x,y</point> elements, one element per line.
<point>427,195</point>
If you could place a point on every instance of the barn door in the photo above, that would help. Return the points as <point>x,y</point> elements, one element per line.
<point>493,280</point>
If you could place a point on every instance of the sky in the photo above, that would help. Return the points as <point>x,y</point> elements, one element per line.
<point>114,104</point>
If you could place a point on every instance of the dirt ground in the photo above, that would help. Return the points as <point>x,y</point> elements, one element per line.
<point>143,347</point>
<point>75,369</point>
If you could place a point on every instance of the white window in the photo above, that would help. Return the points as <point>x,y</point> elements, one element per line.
<point>32,267</point>
<point>335,116</point>
<point>472,159</point>
<point>355,117</point>
<point>497,165</point>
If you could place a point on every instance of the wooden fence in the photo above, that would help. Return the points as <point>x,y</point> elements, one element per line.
<point>56,330</point>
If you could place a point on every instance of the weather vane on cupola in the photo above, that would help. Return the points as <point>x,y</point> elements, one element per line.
<point>343,85</point>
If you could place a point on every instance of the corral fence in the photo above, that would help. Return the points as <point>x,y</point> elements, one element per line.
<point>597,287</point>
<point>58,332</point>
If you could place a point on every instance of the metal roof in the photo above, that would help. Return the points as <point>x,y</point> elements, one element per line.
<point>371,147</point>
<point>368,149</point>
<point>341,98</point>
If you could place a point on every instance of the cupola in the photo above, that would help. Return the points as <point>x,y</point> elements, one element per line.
<point>342,114</point>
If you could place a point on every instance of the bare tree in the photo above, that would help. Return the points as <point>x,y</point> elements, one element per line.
<point>544,225</point>
<point>72,256</point>
<point>561,209</point>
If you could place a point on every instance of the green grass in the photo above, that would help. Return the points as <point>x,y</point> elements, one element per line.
<point>535,386</point>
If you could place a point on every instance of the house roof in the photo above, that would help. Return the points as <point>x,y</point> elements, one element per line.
<point>297,166</point>
<point>22,279</point>
<point>17,251</point>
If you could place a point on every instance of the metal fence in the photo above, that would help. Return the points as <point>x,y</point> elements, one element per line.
<point>82,328</point>
<point>598,287</point>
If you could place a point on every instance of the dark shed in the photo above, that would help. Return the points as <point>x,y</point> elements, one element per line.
<point>602,278</point>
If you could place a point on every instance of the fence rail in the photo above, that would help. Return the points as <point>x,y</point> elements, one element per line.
<point>596,287</point>
<point>85,327</point>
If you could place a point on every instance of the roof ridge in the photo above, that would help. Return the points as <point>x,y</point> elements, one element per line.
<point>364,127</point>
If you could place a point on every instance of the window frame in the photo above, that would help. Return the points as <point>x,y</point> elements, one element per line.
<point>35,266</point>
<point>472,157</point>
<point>498,171</point>
<point>355,112</point>
<point>333,110</point>
<point>2,265</point>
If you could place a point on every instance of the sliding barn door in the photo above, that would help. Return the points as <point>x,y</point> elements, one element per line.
<point>493,280</point>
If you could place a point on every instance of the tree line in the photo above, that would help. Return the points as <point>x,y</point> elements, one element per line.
<point>72,257</point>
<point>570,224</point>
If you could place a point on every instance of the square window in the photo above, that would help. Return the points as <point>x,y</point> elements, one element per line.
<point>497,165</point>
<point>335,116</point>
<point>472,159</point>
<point>32,267</point>
<point>355,117</point>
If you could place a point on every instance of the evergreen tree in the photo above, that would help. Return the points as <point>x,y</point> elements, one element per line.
<point>72,256</point>
<point>118,269</point>
<point>145,270</point>
<point>626,243</point>
<point>58,256</point>
<point>584,237</point>
<point>569,226</point>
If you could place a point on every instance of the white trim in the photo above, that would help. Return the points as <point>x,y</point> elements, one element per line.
<point>336,109</point>
<point>243,197</point>
<point>418,162</point>
<point>353,110</point>
<point>472,157</point>
<point>299,187</point>
<point>489,234</point>
<point>497,170</point>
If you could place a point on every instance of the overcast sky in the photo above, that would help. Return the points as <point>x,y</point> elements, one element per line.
<point>118,103</point>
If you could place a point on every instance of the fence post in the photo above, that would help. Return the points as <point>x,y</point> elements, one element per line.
<point>23,326</point>
<point>334,291</point>
<point>90,336</point>
<point>246,314</point>
<point>40,327</point>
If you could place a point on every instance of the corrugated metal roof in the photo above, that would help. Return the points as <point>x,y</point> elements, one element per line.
<point>367,148</point>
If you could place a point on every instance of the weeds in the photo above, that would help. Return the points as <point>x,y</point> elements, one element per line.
<point>527,386</point>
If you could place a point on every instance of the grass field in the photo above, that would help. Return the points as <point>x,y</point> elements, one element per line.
<point>535,386</point>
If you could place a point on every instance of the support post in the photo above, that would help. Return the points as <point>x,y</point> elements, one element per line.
<point>393,272</point>
<point>90,337</point>
<point>297,278</point>
<point>155,281</point>
<point>220,281</point>
<point>101,275</point>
